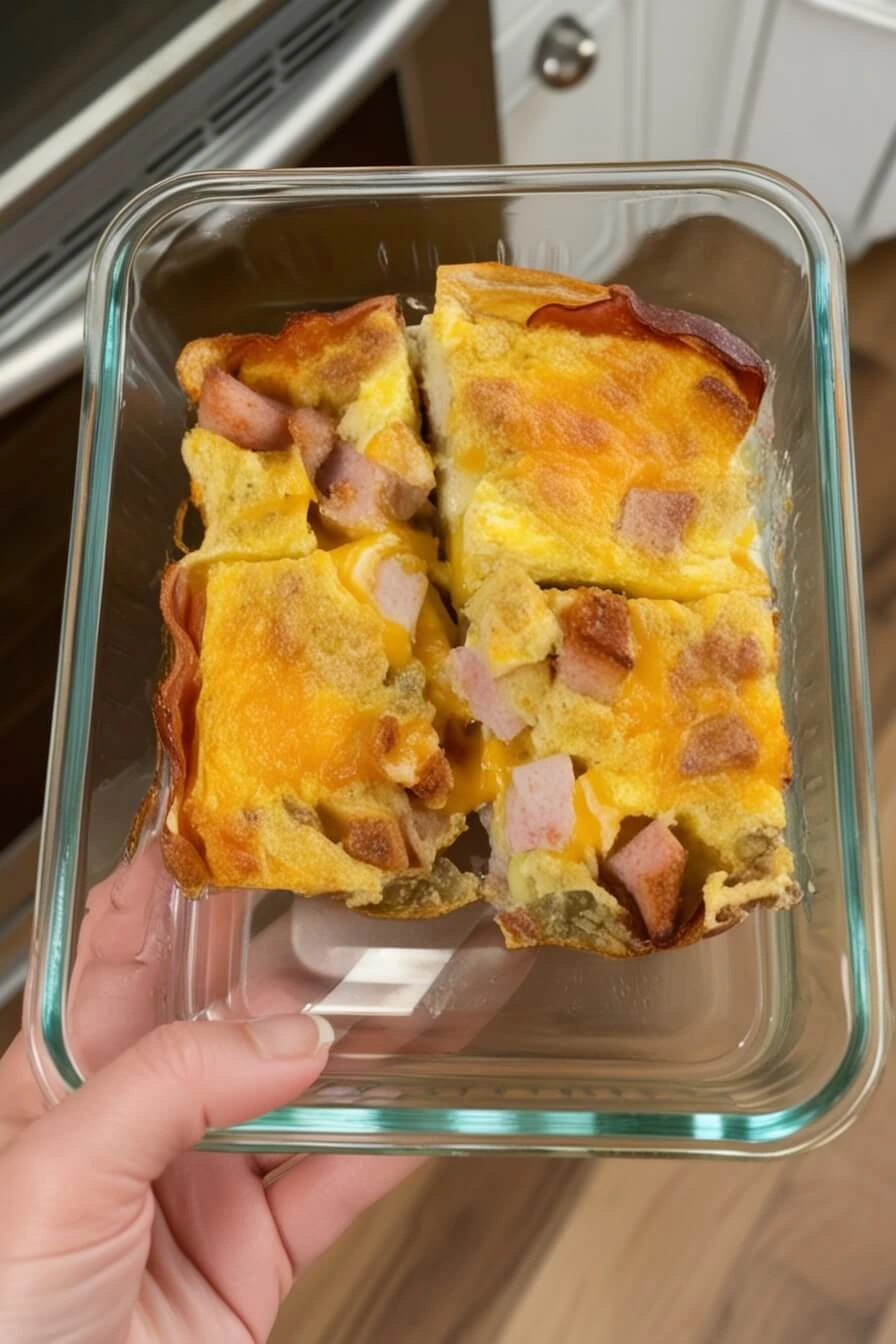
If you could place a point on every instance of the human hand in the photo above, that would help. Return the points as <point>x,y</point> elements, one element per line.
<point>113,1229</point>
<point>116,1231</point>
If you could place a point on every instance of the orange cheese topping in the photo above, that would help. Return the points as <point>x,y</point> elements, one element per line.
<point>356,564</point>
<point>547,427</point>
<point>292,696</point>
<point>482,771</point>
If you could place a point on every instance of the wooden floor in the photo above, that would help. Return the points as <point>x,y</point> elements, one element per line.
<point>630,1251</point>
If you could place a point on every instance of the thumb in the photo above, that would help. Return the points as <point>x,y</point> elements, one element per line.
<point>127,1123</point>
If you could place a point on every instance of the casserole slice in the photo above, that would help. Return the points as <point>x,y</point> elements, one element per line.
<point>325,411</point>
<point>633,762</point>
<point>591,437</point>
<point>298,735</point>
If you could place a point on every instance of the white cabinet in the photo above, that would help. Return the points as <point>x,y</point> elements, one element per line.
<point>594,120</point>
<point>806,87</point>
<point>822,108</point>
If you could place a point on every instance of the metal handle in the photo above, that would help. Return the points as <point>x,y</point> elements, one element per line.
<point>566,53</point>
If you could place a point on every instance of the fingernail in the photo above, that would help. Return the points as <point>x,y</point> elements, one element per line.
<point>291,1036</point>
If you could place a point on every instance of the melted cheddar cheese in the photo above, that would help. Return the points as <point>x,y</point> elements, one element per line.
<point>632,749</point>
<point>356,563</point>
<point>292,702</point>
<point>542,432</point>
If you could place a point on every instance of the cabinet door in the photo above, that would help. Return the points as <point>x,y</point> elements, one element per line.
<point>588,122</point>
<point>594,121</point>
<point>823,106</point>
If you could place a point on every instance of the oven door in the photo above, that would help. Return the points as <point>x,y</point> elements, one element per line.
<point>185,85</point>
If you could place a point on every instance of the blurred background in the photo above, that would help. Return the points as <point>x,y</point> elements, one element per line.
<point>99,100</point>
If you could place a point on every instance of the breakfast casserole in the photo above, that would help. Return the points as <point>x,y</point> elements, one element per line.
<point>558,622</point>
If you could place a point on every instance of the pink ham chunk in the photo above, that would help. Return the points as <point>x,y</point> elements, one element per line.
<point>231,409</point>
<point>651,867</point>
<point>399,592</point>
<point>538,807</point>
<point>656,519</point>
<point>358,493</point>
<point>314,434</point>
<point>597,652</point>
<point>488,700</point>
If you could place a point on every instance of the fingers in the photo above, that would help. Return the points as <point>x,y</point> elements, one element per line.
<point>94,1155</point>
<point>315,1201</point>
<point>20,1098</point>
<point>118,979</point>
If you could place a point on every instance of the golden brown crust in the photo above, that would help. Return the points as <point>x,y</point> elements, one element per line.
<point>434,781</point>
<point>490,289</point>
<point>376,840</point>
<point>596,624</point>
<point>620,312</point>
<point>347,342</point>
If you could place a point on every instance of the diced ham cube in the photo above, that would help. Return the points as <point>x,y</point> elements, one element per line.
<point>350,486</point>
<point>656,519</point>
<point>722,742</point>
<point>399,592</point>
<point>314,434</point>
<point>538,806</point>
<point>488,701</point>
<point>358,493</point>
<point>591,675</point>
<point>651,867</point>
<point>597,653</point>
<point>231,409</point>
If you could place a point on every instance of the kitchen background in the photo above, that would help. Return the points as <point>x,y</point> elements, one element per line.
<point>485,1251</point>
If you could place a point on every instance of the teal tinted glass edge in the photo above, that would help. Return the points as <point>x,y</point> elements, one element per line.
<point>87,551</point>
<point>290,1125</point>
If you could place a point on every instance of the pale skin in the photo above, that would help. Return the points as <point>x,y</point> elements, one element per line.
<point>113,1229</point>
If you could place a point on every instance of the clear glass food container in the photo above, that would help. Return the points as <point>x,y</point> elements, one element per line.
<point>763,1041</point>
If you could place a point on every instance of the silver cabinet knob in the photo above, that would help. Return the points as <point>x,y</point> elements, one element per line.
<point>566,53</point>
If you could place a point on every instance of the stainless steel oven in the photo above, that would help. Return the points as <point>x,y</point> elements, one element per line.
<point>98,100</point>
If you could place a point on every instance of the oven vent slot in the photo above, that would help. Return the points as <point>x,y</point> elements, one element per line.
<point>21,283</point>
<point>176,155</point>
<point>88,230</point>
<point>254,87</point>
<point>259,84</point>
<point>302,45</point>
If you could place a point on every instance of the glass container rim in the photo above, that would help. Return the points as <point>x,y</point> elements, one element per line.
<point>814,1119</point>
